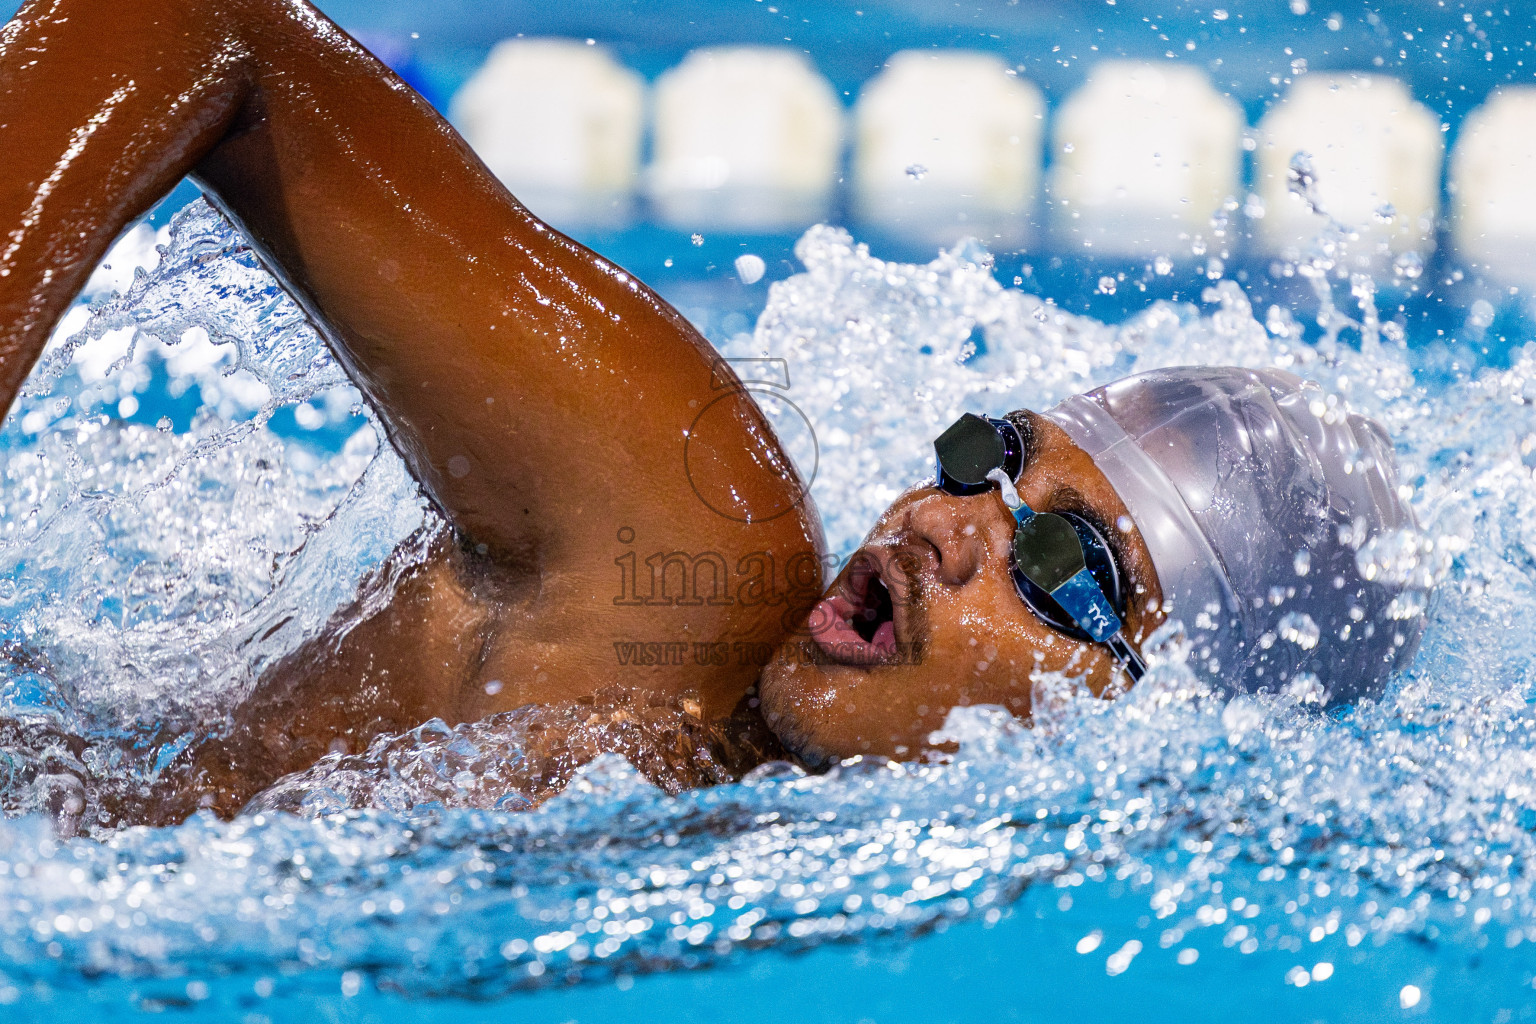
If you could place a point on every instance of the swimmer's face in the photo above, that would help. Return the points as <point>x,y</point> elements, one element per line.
<point>925,616</point>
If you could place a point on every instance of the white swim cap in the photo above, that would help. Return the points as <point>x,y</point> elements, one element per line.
<point>1253,493</point>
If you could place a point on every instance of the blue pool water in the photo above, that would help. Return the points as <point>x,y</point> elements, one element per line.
<point>190,488</point>
<point>1174,851</point>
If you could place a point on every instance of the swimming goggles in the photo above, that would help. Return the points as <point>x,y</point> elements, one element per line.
<point>1062,566</point>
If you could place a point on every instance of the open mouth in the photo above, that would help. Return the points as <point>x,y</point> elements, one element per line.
<point>856,623</point>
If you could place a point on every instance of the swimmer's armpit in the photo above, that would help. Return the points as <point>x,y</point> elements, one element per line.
<point>546,400</point>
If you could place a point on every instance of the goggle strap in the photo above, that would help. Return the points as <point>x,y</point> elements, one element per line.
<point>1134,666</point>
<point>1088,606</point>
<point>1081,595</point>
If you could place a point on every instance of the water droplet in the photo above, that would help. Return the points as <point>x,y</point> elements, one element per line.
<point>1299,629</point>
<point>917,172</point>
<point>750,268</point>
<point>1481,315</point>
<point>1242,714</point>
<point>1409,265</point>
<point>1121,959</point>
<point>1305,688</point>
<point>1301,178</point>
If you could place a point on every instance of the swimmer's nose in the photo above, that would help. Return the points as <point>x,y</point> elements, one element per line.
<point>957,531</point>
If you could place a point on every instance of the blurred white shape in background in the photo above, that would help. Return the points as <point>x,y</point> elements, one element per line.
<point>1493,186</point>
<point>747,139</point>
<point>559,122</point>
<point>1374,156</point>
<point>948,144</point>
<point>1144,155</point>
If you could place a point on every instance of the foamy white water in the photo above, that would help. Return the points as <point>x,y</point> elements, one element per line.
<point>141,562</point>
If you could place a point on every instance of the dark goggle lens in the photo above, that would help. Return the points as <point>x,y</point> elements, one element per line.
<point>1047,550</point>
<point>971,448</point>
<point>1091,547</point>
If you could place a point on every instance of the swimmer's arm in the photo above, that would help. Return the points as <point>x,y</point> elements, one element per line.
<point>540,395</point>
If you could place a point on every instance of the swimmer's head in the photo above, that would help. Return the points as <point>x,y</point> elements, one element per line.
<point>1254,491</point>
<point>1234,501</point>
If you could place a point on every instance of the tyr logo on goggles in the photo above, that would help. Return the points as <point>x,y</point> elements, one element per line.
<point>1062,566</point>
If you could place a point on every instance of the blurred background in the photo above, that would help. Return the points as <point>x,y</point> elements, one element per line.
<point>1104,155</point>
<point>1104,152</point>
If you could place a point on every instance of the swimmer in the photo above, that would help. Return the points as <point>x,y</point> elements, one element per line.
<point>561,417</point>
<point>1234,500</point>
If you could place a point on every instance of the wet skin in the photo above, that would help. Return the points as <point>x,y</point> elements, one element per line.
<point>958,634</point>
<point>549,404</point>
<point>541,396</point>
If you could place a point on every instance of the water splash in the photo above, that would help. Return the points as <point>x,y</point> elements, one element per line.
<point>886,355</point>
<point>152,573</point>
<point>1257,823</point>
